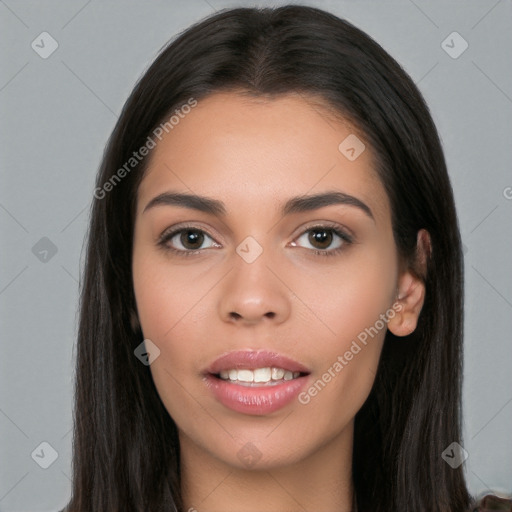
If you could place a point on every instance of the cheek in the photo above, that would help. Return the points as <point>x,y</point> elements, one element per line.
<point>351,305</point>
<point>346,298</point>
<point>174,313</point>
<point>169,296</point>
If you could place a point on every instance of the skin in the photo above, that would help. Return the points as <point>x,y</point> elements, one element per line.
<point>253,155</point>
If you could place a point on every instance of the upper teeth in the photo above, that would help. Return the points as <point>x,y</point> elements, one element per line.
<point>258,375</point>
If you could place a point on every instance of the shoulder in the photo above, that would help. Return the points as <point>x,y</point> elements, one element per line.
<point>490,503</point>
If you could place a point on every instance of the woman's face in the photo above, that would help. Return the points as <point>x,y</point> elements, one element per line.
<point>265,279</point>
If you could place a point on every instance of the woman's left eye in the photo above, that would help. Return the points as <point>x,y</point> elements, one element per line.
<point>321,238</point>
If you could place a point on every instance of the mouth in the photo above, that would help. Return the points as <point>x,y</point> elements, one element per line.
<point>255,383</point>
<point>268,376</point>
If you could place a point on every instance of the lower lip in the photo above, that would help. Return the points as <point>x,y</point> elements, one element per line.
<point>255,400</point>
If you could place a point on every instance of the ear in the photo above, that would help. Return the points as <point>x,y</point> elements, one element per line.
<point>411,289</point>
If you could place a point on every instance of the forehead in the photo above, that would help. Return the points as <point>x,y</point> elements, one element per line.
<point>247,151</point>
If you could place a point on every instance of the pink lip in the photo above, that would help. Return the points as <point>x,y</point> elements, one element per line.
<point>255,400</point>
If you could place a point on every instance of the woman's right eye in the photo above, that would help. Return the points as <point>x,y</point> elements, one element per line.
<point>186,241</point>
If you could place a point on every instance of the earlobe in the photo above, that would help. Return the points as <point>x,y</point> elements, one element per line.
<point>411,290</point>
<point>407,306</point>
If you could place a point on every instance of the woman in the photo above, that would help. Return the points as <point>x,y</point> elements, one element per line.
<point>224,361</point>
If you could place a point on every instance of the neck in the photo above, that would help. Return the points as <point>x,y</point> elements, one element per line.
<point>322,481</point>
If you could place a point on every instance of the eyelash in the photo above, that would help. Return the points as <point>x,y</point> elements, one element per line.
<point>166,236</point>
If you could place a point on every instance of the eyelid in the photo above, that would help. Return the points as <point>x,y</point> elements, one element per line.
<point>335,226</point>
<point>176,228</point>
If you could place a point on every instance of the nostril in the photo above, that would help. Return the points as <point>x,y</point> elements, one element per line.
<point>236,316</point>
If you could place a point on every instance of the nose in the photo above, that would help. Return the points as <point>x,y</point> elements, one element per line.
<point>252,293</point>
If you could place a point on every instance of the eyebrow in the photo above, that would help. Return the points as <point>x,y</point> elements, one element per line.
<point>297,204</point>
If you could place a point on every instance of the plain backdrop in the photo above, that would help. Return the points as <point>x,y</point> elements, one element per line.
<point>57,111</point>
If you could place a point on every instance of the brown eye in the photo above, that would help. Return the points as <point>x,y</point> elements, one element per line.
<point>320,238</point>
<point>191,239</point>
<point>186,241</point>
<point>324,240</point>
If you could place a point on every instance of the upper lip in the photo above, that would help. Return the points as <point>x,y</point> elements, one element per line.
<point>250,360</point>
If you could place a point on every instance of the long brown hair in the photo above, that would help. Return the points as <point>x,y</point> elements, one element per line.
<point>126,450</point>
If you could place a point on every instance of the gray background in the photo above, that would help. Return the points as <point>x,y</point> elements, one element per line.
<point>56,115</point>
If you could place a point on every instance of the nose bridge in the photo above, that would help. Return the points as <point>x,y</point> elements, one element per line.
<point>251,291</point>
